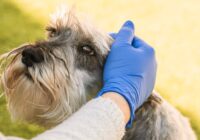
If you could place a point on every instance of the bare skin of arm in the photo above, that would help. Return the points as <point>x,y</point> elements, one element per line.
<point>121,103</point>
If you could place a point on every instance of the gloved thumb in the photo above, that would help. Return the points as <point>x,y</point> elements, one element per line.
<point>125,34</point>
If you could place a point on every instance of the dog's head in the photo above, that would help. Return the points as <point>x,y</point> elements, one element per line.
<point>47,81</point>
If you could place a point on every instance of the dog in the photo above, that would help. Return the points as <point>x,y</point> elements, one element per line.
<point>46,81</point>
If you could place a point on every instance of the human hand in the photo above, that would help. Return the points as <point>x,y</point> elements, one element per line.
<point>130,68</point>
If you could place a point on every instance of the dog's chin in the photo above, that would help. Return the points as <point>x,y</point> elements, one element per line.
<point>19,90</point>
<point>29,102</point>
<point>34,98</point>
<point>26,100</point>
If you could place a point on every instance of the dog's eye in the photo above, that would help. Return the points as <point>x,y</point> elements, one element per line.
<point>51,31</point>
<point>86,49</point>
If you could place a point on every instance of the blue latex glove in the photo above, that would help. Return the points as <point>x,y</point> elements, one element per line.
<point>130,69</point>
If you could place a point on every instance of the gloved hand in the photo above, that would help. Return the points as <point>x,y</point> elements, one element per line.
<point>130,69</point>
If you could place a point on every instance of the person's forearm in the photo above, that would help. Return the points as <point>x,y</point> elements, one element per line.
<point>101,118</point>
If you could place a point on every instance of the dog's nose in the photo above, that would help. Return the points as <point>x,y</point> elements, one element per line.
<point>31,56</point>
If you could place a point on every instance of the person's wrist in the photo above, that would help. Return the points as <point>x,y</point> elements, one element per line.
<point>128,89</point>
<point>120,102</point>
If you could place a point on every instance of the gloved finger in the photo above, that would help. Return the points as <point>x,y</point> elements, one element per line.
<point>126,33</point>
<point>139,43</point>
<point>113,35</point>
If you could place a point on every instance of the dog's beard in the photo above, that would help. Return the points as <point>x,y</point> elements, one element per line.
<point>44,94</point>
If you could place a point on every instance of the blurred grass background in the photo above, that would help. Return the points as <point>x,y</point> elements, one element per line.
<point>171,26</point>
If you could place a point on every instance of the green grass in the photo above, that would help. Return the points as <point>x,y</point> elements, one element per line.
<point>15,28</point>
<point>171,26</point>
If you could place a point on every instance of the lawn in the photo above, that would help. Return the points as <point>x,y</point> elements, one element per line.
<point>171,26</point>
<point>15,28</point>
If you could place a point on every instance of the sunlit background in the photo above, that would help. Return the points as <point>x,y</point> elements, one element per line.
<point>171,26</point>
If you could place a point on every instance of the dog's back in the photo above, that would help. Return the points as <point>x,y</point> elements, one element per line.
<point>158,120</point>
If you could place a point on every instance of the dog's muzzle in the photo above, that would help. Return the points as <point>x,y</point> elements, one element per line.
<point>32,55</point>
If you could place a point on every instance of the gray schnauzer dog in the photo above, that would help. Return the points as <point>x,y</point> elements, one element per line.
<point>45,82</point>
